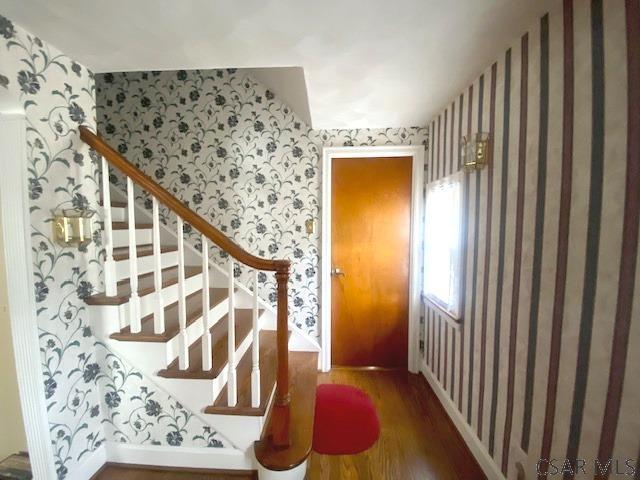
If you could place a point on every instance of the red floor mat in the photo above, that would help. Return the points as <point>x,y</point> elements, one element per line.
<point>346,421</point>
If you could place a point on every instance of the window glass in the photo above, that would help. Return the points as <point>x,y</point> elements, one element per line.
<point>442,249</point>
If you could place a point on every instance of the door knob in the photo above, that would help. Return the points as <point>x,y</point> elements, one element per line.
<point>335,272</point>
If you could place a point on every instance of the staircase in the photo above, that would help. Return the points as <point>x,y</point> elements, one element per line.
<point>207,340</point>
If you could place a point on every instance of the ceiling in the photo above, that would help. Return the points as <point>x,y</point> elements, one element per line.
<point>288,84</point>
<point>366,63</point>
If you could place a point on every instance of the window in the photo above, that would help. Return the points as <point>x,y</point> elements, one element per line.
<point>443,244</point>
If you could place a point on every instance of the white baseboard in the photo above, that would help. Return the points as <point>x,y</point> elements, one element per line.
<point>481,455</point>
<point>90,465</point>
<point>186,457</point>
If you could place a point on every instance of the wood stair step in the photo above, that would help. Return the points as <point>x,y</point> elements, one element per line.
<point>268,371</point>
<point>146,250</point>
<point>145,286</point>
<point>125,226</point>
<point>303,377</point>
<point>219,349</point>
<point>171,318</point>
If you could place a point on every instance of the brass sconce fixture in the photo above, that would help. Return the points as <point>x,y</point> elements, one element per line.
<point>310,226</point>
<point>73,227</point>
<point>475,151</point>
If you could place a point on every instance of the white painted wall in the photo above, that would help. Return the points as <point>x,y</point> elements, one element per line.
<point>13,438</point>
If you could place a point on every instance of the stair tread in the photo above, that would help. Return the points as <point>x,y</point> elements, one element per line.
<point>303,377</point>
<point>145,286</point>
<point>125,226</point>
<point>171,318</point>
<point>146,250</point>
<point>268,371</point>
<point>219,349</point>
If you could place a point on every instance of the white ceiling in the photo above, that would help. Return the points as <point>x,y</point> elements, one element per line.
<point>288,84</point>
<point>367,63</point>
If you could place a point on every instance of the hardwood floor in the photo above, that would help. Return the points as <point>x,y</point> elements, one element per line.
<point>417,441</point>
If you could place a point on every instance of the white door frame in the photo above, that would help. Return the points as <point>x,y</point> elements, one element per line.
<point>14,205</point>
<point>417,153</point>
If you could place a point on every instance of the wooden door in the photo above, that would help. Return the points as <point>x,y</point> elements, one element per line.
<point>370,242</point>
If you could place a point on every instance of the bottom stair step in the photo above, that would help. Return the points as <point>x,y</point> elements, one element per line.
<point>268,371</point>
<point>303,378</point>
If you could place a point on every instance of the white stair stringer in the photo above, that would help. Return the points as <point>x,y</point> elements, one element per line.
<point>243,430</point>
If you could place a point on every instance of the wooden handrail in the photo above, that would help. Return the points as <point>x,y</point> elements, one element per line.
<point>179,208</point>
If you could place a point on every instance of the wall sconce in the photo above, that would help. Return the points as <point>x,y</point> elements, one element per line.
<point>310,226</point>
<point>73,227</point>
<point>475,151</point>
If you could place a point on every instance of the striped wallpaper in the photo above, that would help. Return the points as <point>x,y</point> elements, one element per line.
<point>541,365</point>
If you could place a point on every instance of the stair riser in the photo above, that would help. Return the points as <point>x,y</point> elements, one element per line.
<point>194,331</point>
<point>105,319</point>
<point>146,356</point>
<point>242,430</point>
<point>121,237</point>
<point>169,296</point>
<point>193,394</point>
<point>118,214</point>
<point>145,264</point>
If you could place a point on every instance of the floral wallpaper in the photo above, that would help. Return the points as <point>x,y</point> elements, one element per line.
<point>58,95</point>
<point>92,396</point>
<point>225,145</point>
<point>135,411</point>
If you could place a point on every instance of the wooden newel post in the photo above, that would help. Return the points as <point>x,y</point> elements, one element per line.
<point>282,386</point>
<point>281,413</point>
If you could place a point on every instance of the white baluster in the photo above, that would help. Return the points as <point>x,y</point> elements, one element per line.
<point>109,263</point>
<point>232,393</point>
<point>207,354</point>
<point>183,344</point>
<point>134,299</point>
<point>158,312</point>
<point>255,348</point>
